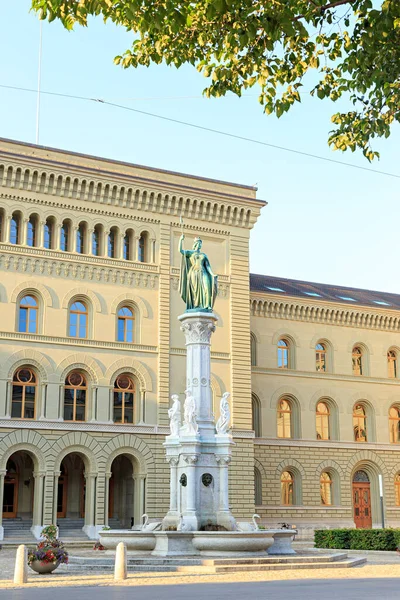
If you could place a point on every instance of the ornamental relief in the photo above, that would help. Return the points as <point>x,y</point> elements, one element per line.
<point>198,332</point>
<point>76,271</point>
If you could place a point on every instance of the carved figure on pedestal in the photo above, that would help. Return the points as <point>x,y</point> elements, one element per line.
<point>198,285</point>
<point>174,414</point>
<point>190,425</point>
<point>222,425</point>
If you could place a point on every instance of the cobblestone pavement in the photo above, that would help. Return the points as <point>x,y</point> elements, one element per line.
<point>386,565</point>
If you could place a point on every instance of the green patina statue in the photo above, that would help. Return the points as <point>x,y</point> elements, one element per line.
<point>197,285</point>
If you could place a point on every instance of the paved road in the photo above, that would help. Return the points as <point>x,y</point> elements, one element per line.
<point>325,589</point>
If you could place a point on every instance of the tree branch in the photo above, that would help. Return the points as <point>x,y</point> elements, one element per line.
<point>325,7</point>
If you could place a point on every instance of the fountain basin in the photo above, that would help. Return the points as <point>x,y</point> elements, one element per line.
<point>232,543</point>
<point>137,542</point>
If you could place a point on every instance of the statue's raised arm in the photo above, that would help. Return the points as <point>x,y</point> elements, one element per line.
<point>198,285</point>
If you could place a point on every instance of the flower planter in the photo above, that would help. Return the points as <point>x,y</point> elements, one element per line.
<point>42,567</point>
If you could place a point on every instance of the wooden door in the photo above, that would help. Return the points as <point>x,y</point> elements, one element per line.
<point>362,505</point>
<point>10,497</point>
<point>62,495</point>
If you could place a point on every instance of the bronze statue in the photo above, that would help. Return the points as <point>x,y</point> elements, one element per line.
<point>197,285</point>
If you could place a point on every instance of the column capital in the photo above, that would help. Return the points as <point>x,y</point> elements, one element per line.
<point>3,472</point>
<point>39,474</point>
<point>139,476</point>
<point>192,459</point>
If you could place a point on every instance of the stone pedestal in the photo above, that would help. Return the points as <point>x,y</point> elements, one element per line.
<point>199,461</point>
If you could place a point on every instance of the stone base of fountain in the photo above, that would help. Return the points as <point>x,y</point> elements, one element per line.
<point>194,543</point>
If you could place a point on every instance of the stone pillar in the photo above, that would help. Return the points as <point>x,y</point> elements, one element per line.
<point>223,462</point>
<point>93,404</point>
<point>104,243</point>
<point>57,236</point>
<point>42,404</point>
<point>37,521</point>
<point>120,246</point>
<point>3,398</point>
<point>56,475</point>
<point>191,484</point>
<point>74,233</point>
<point>23,232</point>
<point>152,250</point>
<point>7,227</point>
<point>2,475</point>
<point>198,328</point>
<point>40,240</point>
<point>48,499</point>
<point>139,504</point>
<point>173,485</point>
<point>107,478</point>
<point>89,526</point>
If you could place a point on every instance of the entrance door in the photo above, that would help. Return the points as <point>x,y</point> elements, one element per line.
<point>362,501</point>
<point>10,498</point>
<point>62,494</point>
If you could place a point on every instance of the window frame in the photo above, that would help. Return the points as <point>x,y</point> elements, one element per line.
<point>329,485</point>
<point>320,416</point>
<point>125,319</point>
<point>76,388</point>
<point>123,391</point>
<point>364,418</point>
<point>85,313</point>
<point>24,385</point>
<point>282,411</point>
<point>284,347</point>
<point>357,356</point>
<point>392,360</point>
<point>396,420</point>
<point>321,356</point>
<point>29,309</point>
<point>287,488</point>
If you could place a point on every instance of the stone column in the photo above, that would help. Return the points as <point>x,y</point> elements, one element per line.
<point>40,240</point>
<point>104,243</point>
<point>107,477</point>
<point>74,232</point>
<point>7,227</point>
<point>152,250</point>
<point>56,475</point>
<point>120,246</point>
<point>198,328</point>
<point>93,404</point>
<point>191,484</point>
<point>48,499</point>
<point>23,232</point>
<point>8,399</point>
<point>223,462</point>
<point>139,504</point>
<point>2,475</point>
<point>42,405</point>
<point>37,521</point>
<point>89,527</point>
<point>173,485</point>
<point>57,236</point>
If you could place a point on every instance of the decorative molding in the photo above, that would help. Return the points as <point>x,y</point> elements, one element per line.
<point>80,267</point>
<point>85,343</point>
<point>81,182</point>
<point>97,427</point>
<point>214,355</point>
<point>27,286</point>
<point>360,317</point>
<point>324,376</point>
<point>243,433</point>
<point>198,330</point>
<point>327,444</point>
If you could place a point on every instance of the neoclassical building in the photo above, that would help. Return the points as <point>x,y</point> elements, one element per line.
<point>91,351</point>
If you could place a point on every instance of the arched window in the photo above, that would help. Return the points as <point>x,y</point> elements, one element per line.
<point>257,487</point>
<point>127,246</point>
<point>126,322</point>
<point>360,423</point>
<point>96,241</point>
<point>397,488</point>
<point>392,364</point>
<point>143,247</point>
<point>322,421</point>
<point>64,237</point>
<point>284,419</point>
<point>80,238</point>
<point>15,229</point>
<point>357,358</point>
<point>287,488</point>
<point>283,354</point>
<point>48,234</point>
<point>75,397</point>
<point>31,236</point>
<point>78,320</point>
<point>111,243</point>
<point>28,315</point>
<point>23,394</point>
<point>253,350</point>
<point>124,399</point>
<point>256,415</point>
<point>394,425</point>
<point>326,489</point>
<point>320,358</point>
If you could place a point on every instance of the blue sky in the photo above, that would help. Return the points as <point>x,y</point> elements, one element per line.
<point>324,222</point>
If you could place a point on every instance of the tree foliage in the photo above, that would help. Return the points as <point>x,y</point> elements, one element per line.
<point>353,46</point>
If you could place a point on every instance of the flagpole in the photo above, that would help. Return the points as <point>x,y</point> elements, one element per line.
<point>39,82</point>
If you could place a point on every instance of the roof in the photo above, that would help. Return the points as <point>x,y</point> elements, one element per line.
<point>25,149</point>
<point>279,286</point>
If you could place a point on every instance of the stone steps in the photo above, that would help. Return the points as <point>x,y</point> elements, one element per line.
<point>206,566</point>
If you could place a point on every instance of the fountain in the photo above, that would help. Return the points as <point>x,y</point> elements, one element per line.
<point>199,520</point>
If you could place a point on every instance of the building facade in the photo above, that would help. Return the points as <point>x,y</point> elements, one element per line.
<point>91,351</point>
